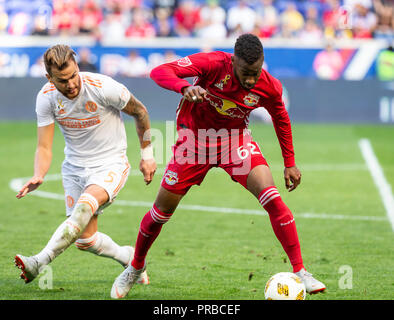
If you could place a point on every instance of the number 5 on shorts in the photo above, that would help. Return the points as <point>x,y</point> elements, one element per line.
<point>110,177</point>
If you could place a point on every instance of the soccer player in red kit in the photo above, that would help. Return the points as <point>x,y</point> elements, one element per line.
<point>212,121</point>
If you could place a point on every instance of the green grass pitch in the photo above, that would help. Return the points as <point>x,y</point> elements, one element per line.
<point>203,253</point>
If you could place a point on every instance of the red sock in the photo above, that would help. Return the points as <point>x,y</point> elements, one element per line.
<point>150,228</point>
<point>283,224</point>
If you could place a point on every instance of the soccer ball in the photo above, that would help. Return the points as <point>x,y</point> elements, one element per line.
<point>285,286</point>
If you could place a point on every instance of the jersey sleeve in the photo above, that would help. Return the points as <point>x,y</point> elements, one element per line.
<point>171,75</point>
<point>281,121</point>
<point>115,94</point>
<point>44,111</point>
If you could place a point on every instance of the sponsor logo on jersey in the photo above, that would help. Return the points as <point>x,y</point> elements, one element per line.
<point>225,107</point>
<point>184,62</point>
<point>79,123</point>
<point>91,106</point>
<point>171,177</point>
<point>251,99</point>
<point>223,82</point>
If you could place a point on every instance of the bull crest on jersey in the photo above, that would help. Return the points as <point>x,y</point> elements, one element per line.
<point>184,62</point>
<point>251,100</point>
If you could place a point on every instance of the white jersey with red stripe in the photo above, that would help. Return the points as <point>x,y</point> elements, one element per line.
<point>91,123</point>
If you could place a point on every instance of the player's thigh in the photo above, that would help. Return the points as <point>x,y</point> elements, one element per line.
<point>179,177</point>
<point>105,182</point>
<point>73,186</point>
<point>98,192</point>
<point>249,168</point>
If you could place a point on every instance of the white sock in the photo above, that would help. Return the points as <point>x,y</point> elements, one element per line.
<point>102,245</point>
<point>69,230</point>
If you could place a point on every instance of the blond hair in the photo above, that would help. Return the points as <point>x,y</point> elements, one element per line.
<point>58,56</point>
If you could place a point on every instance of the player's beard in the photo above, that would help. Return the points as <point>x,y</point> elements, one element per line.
<point>242,84</point>
<point>247,87</point>
<point>71,94</point>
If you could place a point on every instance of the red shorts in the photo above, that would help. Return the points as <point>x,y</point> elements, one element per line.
<point>182,173</point>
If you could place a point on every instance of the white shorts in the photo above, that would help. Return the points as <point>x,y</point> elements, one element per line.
<point>111,177</point>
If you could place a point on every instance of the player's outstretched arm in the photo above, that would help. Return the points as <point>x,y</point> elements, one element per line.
<point>138,111</point>
<point>292,178</point>
<point>42,160</point>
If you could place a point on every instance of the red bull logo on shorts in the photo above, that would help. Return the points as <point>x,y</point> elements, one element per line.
<point>171,177</point>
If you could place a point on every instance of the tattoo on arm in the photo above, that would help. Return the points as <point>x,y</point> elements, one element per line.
<point>138,111</point>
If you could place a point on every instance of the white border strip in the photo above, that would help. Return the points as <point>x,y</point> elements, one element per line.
<point>379,179</point>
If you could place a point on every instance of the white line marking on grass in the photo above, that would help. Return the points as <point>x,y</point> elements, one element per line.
<point>17,183</point>
<point>379,179</point>
<point>257,212</point>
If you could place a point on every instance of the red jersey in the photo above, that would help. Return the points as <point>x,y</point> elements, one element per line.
<point>227,104</point>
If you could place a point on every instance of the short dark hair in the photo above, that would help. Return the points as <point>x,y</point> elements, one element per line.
<point>249,48</point>
<point>59,57</point>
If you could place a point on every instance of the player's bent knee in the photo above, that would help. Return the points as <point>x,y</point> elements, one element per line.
<point>71,231</point>
<point>100,194</point>
<point>81,216</point>
<point>167,201</point>
<point>84,210</point>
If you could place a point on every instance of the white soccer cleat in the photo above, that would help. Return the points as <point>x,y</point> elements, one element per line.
<point>29,267</point>
<point>125,281</point>
<point>311,284</point>
<point>143,279</point>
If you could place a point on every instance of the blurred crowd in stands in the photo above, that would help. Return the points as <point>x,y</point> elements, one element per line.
<point>306,20</point>
<point>119,19</point>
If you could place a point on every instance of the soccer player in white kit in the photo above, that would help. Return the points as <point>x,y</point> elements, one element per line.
<point>87,108</point>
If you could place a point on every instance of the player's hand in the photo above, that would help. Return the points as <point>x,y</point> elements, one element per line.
<point>148,169</point>
<point>292,178</point>
<point>194,93</point>
<point>30,186</point>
